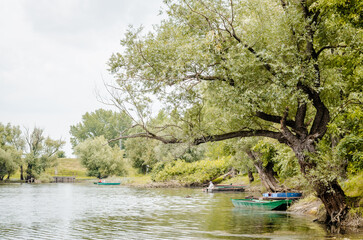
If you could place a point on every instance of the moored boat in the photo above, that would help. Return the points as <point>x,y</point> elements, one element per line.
<point>104,183</point>
<point>225,188</point>
<point>262,204</point>
<point>282,195</point>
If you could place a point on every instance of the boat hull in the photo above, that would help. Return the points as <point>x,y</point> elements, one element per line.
<point>261,204</point>
<point>98,183</point>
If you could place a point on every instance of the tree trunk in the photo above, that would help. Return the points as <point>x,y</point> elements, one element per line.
<point>334,200</point>
<point>29,175</point>
<point>267,174</point>
<point>328,190</point>
<point>250,176</point>
<point>21,173</point>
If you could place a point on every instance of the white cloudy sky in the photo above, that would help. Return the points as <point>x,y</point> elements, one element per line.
<point>53,56</point>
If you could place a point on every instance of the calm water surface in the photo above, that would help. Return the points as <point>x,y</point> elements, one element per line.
<point>88,211</point>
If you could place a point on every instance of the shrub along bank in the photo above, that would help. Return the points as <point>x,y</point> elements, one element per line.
<point>190,174</point>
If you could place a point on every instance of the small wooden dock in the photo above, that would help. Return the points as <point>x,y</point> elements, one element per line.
<point>59,179</point>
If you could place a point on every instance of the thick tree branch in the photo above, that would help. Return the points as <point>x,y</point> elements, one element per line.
<point>252,133</point>
<point>291,138</point>
<point>322,116</point>
<point>275,119</point>
<point>311,20</point>
<point>329,47</point>
<point>209,138</point>
<point>172,140</point>
<point>300,119</point>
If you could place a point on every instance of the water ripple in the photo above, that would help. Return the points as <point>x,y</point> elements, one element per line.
<point>87,211</point>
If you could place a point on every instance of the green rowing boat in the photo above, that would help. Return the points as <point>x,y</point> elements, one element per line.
<point>262,204</point>
<point>103,183</point>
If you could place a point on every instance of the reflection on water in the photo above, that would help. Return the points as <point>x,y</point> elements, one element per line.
<point>88,211</point>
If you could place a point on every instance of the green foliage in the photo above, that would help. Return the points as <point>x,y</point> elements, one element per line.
<point>350,148</point>
<point>11,136</point>
<point>197,40</point>
<point>328,166</point>
<point>11,146</point>
<point>61,154</point>
<point>350,11</point>
<point>100,123</point>
<point>283,158</point>
<point>45,178</point>
<point>344,141</point>
<point>144,153</point>
<point>286,164</point>
<point>10,159</point>
<point>267,151</point>
<point>353,187</point>
<point>216,150</point>
<point>99,158</point>
<point>240,160</point>
<point>140,152</point>
<point>194,173</point>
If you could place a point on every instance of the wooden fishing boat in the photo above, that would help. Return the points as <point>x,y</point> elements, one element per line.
<point>262,204</point>
<point>282,195</point>
<point>104,183</point>
<point>225,188</point>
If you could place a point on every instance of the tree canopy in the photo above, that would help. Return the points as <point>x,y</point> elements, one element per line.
<point>99,158</point>
<point>229,69</point>
<point>41,152</point>
<point>11,149</point>
<point>100,123</point>
<point>247,61</point>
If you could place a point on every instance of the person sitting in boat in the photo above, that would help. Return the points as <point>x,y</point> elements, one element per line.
<point>211,185</point>
<point>100,180</point>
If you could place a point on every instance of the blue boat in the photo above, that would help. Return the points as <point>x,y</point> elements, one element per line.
<point>284,195</point>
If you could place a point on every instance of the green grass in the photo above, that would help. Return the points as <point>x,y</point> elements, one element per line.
<point>137,180</point>
<point>68,167</point>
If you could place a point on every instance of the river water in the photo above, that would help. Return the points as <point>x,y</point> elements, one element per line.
<point>88,211</point>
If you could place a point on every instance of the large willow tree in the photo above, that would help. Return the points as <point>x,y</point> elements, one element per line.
<point>240,68</point>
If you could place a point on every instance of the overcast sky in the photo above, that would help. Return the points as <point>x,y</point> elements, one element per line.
<point>53,56</point>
